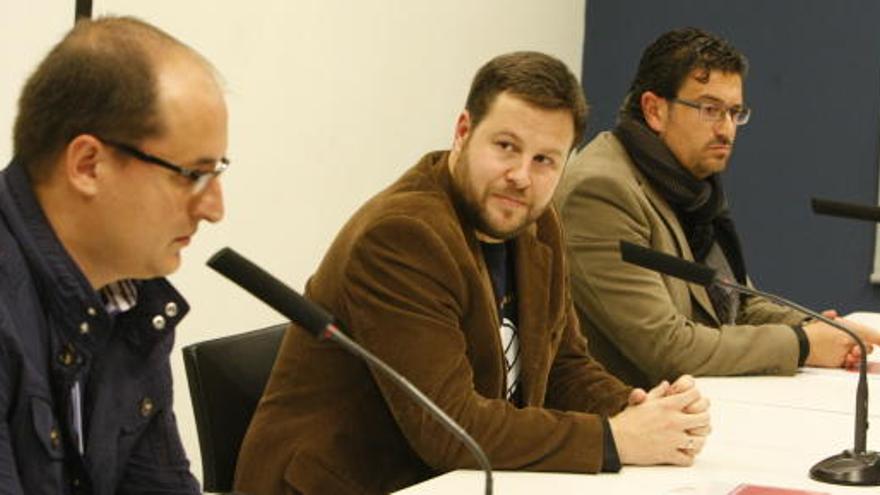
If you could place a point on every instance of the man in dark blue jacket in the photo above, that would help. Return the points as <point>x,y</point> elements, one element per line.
<point>120,133</point>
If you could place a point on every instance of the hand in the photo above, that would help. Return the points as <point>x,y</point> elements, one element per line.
<point>638,395</point>
<point>853,358</point>
<point>683,384</point>
<point>830,313</point>
<point>655,428</point>
<point>829,347</point>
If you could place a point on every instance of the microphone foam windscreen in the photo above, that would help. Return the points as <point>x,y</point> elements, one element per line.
<point>666,264</point>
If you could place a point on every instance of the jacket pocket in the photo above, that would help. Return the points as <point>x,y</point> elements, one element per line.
<point>47,428</point>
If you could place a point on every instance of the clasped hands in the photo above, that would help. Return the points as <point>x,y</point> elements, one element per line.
<point>830,347</point>
<point>666,425</point>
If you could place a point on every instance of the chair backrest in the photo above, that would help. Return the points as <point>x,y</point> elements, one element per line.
<point>226,380</point>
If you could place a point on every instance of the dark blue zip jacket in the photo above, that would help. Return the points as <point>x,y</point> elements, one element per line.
<point>54,331</point>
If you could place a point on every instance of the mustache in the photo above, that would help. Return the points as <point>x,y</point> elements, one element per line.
<point>513,193</point>
<point>722,140</point>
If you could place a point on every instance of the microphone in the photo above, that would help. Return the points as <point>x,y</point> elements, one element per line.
<point>852,467</point>
<point>663,263</point>
<point>845,210</point>
<point>321,324</point>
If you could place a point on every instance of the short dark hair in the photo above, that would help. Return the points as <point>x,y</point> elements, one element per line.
<point>668,61</point>
<point>537,78</point>
<point>99,79</point>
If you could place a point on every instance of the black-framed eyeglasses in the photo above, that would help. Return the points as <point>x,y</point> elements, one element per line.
<point>200,178</point>
<point>715,112</point>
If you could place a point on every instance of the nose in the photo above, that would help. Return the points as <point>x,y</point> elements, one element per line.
<point>208,204</point>
<point>725,127</point>
<point>518,174</point>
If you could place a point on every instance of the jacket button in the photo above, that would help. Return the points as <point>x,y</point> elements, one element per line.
<point>91,311</point>
<point>67,357</point>
<point>159,322</point>
<point>146,406</point>
<point>55,438</point>
<point>171,309</point>
<point>84,328</point>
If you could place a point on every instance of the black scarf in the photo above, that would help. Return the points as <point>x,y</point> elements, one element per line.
<point>700,205</point>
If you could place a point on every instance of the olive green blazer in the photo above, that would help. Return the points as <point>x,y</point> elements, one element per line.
<point>643,326</point>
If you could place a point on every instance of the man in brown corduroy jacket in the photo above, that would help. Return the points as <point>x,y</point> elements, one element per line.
<point>455,276</point>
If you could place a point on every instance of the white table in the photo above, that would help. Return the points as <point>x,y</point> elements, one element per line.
<point>767,431</point>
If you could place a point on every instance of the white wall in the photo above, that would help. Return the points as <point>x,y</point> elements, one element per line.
<point>27,32</point>
<point>329,100</point>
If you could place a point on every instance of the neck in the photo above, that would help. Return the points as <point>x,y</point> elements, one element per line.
<point>74,233</point>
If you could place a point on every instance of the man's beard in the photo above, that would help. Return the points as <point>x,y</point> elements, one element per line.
<point>474,208</point>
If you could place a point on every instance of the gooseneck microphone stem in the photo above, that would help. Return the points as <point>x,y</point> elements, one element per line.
<point>861,426</point>
<point>321,324</point>
<point>852,467</point>
<point>340,338</point>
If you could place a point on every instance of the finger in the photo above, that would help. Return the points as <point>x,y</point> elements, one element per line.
<point>699,443</point>
<point>637,396</point>
<point>684,382</point>
<point>694,421</point>
<point>702,431</point>
<point>659,391</point>
<point>830,313</point>
<point>680,401</point>
<point>681,458</point>
<point>698,406</point>
<point>693,445</point>
<point>851,362</point>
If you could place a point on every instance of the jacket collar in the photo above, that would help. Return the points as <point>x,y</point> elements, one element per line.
<point>62,285</point>
<point>69,299</point>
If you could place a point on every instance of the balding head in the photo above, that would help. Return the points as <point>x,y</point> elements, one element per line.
<point>104,78</point>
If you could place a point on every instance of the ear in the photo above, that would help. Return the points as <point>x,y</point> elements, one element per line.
<point>82,163</point>
<point>656,111</point>
<point>462,131</point>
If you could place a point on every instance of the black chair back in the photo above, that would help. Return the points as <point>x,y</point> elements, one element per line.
<point>226,380</point>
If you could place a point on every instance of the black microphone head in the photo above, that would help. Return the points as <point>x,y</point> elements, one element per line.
<point>845,210</point>
<point>666,264</point>
<point>270,290</point>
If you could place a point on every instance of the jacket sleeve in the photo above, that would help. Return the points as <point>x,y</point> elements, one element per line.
<point>158,463</point>
<point>408,295</point>
<point>756,310</point>
<point>10,484</point>
<point>635,308</point>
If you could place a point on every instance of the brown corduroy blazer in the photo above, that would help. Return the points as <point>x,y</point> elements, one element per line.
<point>643,326</point>
<point>406,279</point>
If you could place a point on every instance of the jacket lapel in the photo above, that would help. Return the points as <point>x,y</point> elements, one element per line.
<point>486,348</point>
<point>533,275</point>
<point>684,250</point>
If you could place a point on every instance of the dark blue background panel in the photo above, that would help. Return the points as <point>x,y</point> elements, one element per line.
<point>814,86</point>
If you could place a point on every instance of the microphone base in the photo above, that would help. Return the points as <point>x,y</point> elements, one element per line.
<point>849,468</point>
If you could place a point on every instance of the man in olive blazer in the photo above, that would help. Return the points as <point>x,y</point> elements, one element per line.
<point>644,326</point>
<point>409,278</point>
<point>654,181</point>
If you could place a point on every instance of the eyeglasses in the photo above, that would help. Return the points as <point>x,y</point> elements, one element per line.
<point>199,178</point>
<point>715,112</point>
